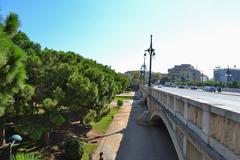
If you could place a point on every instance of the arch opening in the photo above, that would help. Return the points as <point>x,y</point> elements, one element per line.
<point>158,123</point>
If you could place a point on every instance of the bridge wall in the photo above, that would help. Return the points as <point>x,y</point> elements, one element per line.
<point>199,131</point>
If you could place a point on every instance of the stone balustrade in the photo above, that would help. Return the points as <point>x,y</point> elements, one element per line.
<point>212,126</point>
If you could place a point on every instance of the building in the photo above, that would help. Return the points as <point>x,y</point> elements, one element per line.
<point>219,74</point>
<point>185,72</point>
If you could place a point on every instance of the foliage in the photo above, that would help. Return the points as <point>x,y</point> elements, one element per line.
<point>12,23</point>
<point>12,73</point>
<point>119,103</point>
<point>123,98</point>
<point>164,79</point>
<point>102,125</point>
<point>90,117</point>
<point>73,149</point>
<point>37,85</point>
<point>26,156</point>
<point>88,148</point>
<point>33,130</point>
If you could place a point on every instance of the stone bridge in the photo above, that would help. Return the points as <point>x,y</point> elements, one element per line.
<point>199,131</point>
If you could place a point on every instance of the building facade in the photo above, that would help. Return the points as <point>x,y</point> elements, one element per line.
<point>219,74</point>
<point>185,72</point>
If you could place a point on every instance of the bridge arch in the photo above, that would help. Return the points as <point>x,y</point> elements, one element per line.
<point>162,119</point>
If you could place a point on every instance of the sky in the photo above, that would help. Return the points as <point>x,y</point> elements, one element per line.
<point>204,33</point>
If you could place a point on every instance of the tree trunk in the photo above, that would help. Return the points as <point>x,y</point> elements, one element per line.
<point>45,138</point>
<point>2,131</point>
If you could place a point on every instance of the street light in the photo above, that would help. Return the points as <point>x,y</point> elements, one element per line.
<point>141,75</point>
<point>228,74</point>
<point>151,52</point>
<point>13,139</point>
<point>144,67</point>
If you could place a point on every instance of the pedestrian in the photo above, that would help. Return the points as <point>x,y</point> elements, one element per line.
<point>101,154</point>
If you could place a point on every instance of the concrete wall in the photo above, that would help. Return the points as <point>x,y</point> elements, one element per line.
<point>199,131</point>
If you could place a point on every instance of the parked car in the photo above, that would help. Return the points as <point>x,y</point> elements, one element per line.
<point>209,89</point>
<point>181,86</point>
<point>193,87</point>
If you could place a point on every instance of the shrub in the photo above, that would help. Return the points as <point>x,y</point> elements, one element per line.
<point>73,149</point>
<point>119,103</point>
<point>90,117</point>
<point>26,156</point>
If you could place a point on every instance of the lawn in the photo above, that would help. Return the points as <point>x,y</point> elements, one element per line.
<point>101,127</point>
<point>123,98</point>
<point>104,123</point>
<point>88,148</point>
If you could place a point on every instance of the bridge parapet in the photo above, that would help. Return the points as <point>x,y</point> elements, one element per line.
<point>203,131</point>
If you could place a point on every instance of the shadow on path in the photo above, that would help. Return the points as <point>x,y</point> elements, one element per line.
<point>144,142</point>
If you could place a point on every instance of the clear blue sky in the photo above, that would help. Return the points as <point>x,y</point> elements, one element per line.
<point>204,33</point>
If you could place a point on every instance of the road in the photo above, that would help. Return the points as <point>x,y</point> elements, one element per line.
<point>127,140</point>
<point>228,102</point>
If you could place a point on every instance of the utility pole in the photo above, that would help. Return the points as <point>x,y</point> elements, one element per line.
<point>151,52</point>
<point>202,78</point>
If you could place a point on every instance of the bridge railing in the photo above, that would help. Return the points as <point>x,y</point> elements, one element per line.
<point>217,126</point>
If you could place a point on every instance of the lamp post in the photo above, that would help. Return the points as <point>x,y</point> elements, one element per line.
<point>228,74</point>
<point>144,67</point>
<point>13,139</point>
<point>202,78</point>
<point>141,75</point>
<point>151,52</point>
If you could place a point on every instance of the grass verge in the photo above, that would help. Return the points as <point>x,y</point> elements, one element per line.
<point>123,98</point>
<point>101,127</point>
<point>88,148</point>
<point>104,123</point>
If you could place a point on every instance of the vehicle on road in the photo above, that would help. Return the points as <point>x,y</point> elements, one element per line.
<point>181,86</point>
<point>169,84</point>
<point>193,87</point>
<point>209,89</point>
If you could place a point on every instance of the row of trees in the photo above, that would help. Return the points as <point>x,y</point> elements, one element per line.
<point>39,85</point>
<point>232,84</point>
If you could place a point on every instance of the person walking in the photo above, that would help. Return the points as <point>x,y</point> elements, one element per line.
<point>101,154</point>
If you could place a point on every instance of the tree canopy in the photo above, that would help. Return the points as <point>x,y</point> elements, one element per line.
<point>38,84</point>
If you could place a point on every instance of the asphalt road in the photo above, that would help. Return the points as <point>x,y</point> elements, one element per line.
<point>229,102</point>
<point>144,142</point>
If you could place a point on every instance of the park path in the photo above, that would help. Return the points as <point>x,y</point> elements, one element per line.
<point>126,140</point>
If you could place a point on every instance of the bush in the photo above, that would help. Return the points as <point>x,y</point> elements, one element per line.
<point>73,149</point>
<point>26,156</point>
<point>119,103</point>
<point>90,117</point>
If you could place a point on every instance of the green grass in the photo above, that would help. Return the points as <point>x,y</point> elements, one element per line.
<point>103,124</point>
<point>26,156</point>
<point>101,127</point>
<point>123,98</point>
<point>88,148</point>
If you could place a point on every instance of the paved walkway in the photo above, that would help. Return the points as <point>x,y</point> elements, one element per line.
<point>126,140</point>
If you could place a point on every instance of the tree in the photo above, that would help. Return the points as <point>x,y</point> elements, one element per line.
<point>164,79</point>
<point>11,24</point>
<point>63,80</point>
<point>12,76</point>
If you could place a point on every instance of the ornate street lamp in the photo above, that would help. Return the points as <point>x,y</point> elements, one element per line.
<point>144,67</point>
<point>151,52</point>
<point>13,139</point>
